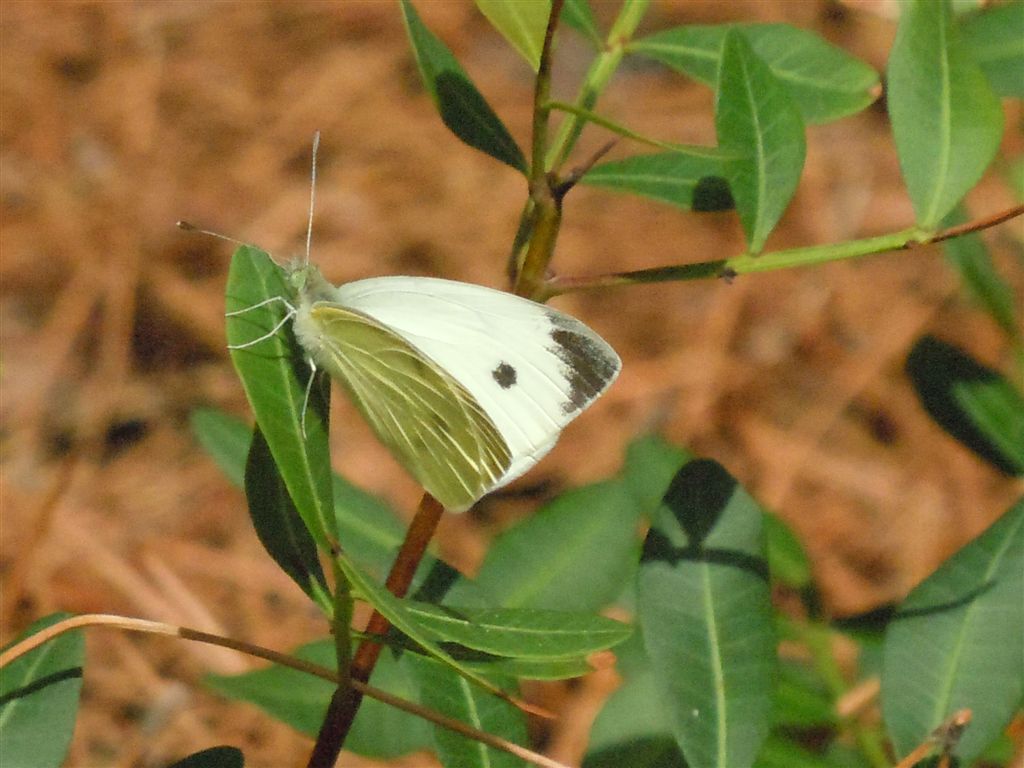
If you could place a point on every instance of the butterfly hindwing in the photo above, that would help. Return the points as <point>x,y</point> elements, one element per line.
<point>425,417</point>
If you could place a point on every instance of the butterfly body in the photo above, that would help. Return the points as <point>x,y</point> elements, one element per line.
<point>468,387</point>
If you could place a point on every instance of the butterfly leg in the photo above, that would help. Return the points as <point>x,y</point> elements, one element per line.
<point>305,400</point>
<point>288,316</point>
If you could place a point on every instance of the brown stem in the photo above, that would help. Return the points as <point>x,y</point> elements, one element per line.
<point>160,628</point>
<point>341,712</point>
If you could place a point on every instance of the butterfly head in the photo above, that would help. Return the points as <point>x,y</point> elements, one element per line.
<point>306,283</point>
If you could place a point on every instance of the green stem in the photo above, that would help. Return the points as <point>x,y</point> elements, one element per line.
<point>743,264</point>
<point>596,79</point>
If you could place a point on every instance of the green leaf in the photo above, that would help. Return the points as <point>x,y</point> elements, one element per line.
<point>443,690</point>
<point>995,40</point>
<point>278,525</point>
<point>958,641</point>
<point>463,109</point>
<point>225,438</point>
<point>274,375</point>
<point>300,700</point>
<point>578,15</point>
<point>523,633</point>
<point>402,619</point>
<point>946,120</point>
<point>574,554</point>
<point>214,757</point>
<point>704,608</point>
<point>825,81</point>
<point>692,182</point>
<point>971,402</point>
<point>366,525</point>
<point>757,121</point>
<point>522,24</point>
<point>39,698</point>
<point>971,258</point>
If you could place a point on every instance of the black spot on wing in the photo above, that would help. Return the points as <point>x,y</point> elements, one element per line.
<point>505,375</point>
<point>588,364</point>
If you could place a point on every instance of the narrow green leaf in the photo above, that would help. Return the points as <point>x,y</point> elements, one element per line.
<point>579,15</point>
<point>826,82</point>
<point>691,182</point>
<point>463,109</point>
<point>704,609</point>
<point>398,615</point>
<point>522,24</point>
<point>444,691</point>
<point>971,402</point>
<point>995,40</point>
<point>225,438</point>
<point>529,669</point>
<point>946,120</point>
<point>214,757</point>
<point>39,698</point>
<point>300,700</point>
<point>756,120</point>
<point>274,375</point>
<point>278,525</point>
<point>957,642</point>
<point>575,554</point>
<point>524,633</point>
<point>970,256</point>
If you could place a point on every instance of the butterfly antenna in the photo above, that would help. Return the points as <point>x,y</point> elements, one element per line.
<point>312,195</point>
<point>193,228</point>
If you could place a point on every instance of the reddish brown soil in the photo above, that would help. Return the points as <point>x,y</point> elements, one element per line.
<point>119,119</point>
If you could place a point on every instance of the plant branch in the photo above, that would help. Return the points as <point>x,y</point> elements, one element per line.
<point>786,259</point>
<point>160,628</point>
<point>341,712</point>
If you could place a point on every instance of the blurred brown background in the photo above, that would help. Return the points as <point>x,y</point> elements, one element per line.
<point>120,118</point>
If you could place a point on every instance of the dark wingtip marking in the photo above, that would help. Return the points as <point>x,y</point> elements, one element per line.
<point>505,375</point>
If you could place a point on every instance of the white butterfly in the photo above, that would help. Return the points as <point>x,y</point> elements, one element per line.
<point>467,387</point>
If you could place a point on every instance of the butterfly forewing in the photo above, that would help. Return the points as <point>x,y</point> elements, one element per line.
<point>430,422</point>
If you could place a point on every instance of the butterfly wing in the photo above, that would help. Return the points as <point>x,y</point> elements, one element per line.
<point>531,368</point>
<point>427,419</point>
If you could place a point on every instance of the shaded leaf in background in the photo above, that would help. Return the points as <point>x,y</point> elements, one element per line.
<point>995,40</point>
<point>463,109</point>
<point>226,438</point>
<point>758,123</point>
<point>300,700</point>
<point>39,694</point>
<point>825,82</point>
<point>973,403</point>
<point>957,642</point>
<point>787,559</point>
<point>575,553</point>
<point>214,757</point>
<point>443,690</point>
<point>278,525</point>
<point>651,463</point>
<point>522,24</point>
<point>704,610</point>
<point>692,182</point>
<point>946,120</point>
<point>274,374</point>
